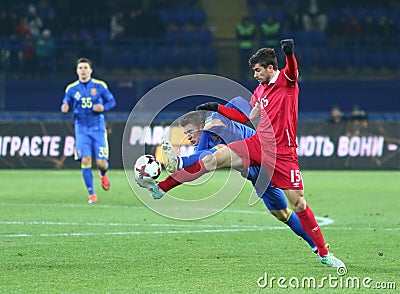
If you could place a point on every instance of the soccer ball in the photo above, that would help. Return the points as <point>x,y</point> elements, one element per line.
<point>147,168</point>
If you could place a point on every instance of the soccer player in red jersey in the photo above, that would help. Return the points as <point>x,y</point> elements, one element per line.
<point>273,145</point>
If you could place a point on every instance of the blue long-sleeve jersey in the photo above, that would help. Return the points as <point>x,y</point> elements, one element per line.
<point>231,131</point>
<point>83,96</point>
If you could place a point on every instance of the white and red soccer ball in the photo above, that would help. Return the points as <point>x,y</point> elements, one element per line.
<point>147,168</point>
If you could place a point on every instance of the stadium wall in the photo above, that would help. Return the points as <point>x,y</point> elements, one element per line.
<point>371,96</point>
<point>322,145</point>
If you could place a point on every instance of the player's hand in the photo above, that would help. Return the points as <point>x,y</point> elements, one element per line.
<point>64,108</point>
<point>287,46</point>
<point>211,106</point>
<point>98,108</point>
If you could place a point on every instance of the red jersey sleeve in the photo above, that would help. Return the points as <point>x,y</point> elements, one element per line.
<point>291,69</point>
<point>233,114</point>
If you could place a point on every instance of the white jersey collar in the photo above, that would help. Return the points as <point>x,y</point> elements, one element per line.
<point>273,80</point>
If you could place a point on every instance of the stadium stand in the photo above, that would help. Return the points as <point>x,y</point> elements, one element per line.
<point>183,26</point>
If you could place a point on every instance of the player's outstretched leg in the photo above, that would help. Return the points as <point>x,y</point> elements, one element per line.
<point>172,160</point>
<point>187,174</point>
<point>152,186</point>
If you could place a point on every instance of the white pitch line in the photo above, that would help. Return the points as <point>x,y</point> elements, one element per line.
<point>233,230</point>
<point>143,233</point>
<point>253,211</point>
<point>123,224</point>
<point>70,205</point>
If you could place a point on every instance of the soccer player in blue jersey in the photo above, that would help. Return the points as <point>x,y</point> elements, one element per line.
<point>208,135</point>
<point>90,98</point>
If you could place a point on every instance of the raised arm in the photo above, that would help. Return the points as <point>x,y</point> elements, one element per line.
<point>231,113</point>
<point>291,69</point>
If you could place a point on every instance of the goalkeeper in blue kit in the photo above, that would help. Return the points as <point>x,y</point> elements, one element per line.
<point>208,135</point>
<point>89,98</point>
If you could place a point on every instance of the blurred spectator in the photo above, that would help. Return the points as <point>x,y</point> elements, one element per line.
<point>28,54</point>
<point>13,28</point>
<point>246,33</point>
<point>353,29</point>
<point>117,25</point>
<point>22,28</point>
<point>11,50</point>
<point>271,32</point>
<point>45,52</point>
<point>387,28</point>
<point>313,19</point>
<point>358,114</point>
<point>337,115</point>
<point>34,21</point>
<point>359,120</point>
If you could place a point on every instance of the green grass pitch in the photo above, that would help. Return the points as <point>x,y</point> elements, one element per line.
<point>52,241</point>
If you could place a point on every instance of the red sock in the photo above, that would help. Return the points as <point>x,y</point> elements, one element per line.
<point>190,173</point>
<point>310,225</point>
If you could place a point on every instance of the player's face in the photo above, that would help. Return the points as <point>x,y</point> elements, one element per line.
<point>263,74</point>
<point>84,71</point>
<point>193,133</point>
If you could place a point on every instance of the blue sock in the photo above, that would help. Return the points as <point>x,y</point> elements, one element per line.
<point>88,178</point>
<point>103,172</point>
<point>294,223</point>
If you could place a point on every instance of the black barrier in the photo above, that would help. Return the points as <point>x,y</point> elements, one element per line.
<point>48,145</point>
<point>353,144</point>
<point>322,145</point>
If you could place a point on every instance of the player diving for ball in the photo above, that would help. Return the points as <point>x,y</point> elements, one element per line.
<point>273,146</point>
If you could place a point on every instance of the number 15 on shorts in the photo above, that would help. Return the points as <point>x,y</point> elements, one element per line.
<point>295,176</point>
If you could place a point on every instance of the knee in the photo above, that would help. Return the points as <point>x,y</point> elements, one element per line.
<point>299,204</point>
<point>210,162</point>
<point>282,214</point>
<point>297,200</point>
<point>86,161</point>
<point>101,164</point>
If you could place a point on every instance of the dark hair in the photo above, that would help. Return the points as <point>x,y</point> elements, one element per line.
<point>193,117</point>
<point>264,57</point>
<point>85,60</point>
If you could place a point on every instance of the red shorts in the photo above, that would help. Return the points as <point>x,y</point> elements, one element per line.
<point>280,162</point>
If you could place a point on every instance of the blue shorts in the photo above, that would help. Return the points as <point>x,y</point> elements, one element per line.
<point>273,197</point>
<point>91,144</point>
